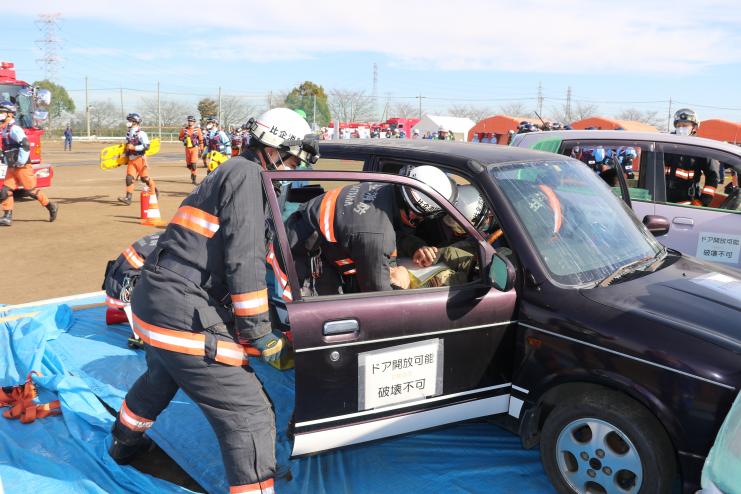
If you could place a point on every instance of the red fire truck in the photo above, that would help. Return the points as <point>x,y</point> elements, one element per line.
<point>32,103</point>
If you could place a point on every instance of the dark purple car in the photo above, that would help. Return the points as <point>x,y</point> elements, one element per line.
<point>618,357</point>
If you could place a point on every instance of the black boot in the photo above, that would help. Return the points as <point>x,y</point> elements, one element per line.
<point>127,199</point>
<point>7,219</point>
<point>193,179</point>
<point>124,451</point>
<point>52,211</point>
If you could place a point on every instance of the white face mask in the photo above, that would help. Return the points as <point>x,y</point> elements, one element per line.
<point>684,131</point>
<point>3,116</point>
<point>129,124</point>
<point>209,126</point>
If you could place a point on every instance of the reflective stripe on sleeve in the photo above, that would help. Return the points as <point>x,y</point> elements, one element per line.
<point>251,303</point>
<point>326,214</point>
<point>196,220</point>
<point>133,257</point>
<point>684,174</point>
<point>132,420</point>
<point>264,487</point>
<point>707,190</point>
<point>344,262</point>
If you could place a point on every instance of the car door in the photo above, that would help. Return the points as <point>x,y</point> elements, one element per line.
<point>711,233</point>
<point>373,365</point>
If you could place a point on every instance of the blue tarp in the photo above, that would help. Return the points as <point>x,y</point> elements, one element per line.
<point>81,357</point>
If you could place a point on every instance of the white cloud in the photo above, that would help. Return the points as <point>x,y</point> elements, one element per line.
<point>569,36</point>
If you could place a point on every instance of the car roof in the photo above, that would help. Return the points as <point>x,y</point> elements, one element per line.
<point>626,135</point>
<point>452,152</point>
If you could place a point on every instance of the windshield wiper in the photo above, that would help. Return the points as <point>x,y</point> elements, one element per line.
<point>625,269</point>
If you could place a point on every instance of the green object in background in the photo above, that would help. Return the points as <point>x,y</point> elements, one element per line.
<point>300,112</point>
<point>548,145</point>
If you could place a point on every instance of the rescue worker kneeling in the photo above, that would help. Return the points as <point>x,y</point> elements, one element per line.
<point>201,296</point>
<point>345,240</point>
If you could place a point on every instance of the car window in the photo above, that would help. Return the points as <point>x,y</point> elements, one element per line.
<point>602,157</point>
<point>580,230</point>
<point>700,177</point>
<point>347,237</point>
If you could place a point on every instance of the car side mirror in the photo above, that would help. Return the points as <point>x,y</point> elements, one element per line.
<point>658,225</point>
<point>501,273</point>
<point>43,97</point>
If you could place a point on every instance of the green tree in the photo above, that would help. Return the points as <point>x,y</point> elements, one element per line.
<point>208,107</point>
<point>302,98</point>
<point>60,100</point>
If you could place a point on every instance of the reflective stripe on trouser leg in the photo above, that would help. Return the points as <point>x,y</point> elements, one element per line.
<point>238,410</point>
<point>149,395</point>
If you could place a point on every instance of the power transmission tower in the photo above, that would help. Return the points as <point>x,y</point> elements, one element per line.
<point>49,44</point>
<point>568,105</point>
<point>375,90</point>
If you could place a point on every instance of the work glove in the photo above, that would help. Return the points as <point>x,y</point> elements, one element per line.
<point>270,346</point>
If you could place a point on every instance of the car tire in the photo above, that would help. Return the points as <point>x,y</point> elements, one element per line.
<point>606,442</point>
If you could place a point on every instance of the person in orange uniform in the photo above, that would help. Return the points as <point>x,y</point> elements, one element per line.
<point>192,138</point>
<point>137,143</point>
<point>16,152</point>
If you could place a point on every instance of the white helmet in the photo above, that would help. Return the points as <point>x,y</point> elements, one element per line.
<point>433,177</point>
<point>470,203</point>
<point>286,130</point>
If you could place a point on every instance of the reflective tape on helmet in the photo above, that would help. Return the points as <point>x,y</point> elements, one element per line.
<point>196,220</point>
<point>326,214</point>
<point>132,420</point>
<point>133,257</point>
<point>250,303</point>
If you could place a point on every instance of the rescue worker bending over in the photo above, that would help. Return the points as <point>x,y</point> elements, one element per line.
<point>201,296</point>
<point>122,273</point>
<point>16,153</point>
<point>192,138</point>
<point>683,172</point>
<point>137,143</point>
<point>347,236</point>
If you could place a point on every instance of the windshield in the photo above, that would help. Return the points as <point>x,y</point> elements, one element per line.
<point>23,99</point>
<point>581,231</point>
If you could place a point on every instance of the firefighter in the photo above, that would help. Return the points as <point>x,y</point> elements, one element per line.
<point>683,173</point>
<point>137,143</point>
<point>121,274</point>
<point>216,139</point>
<point>16,153</point>
<point>346,238</point>
<point>201,296</point>
<point>192,138</point>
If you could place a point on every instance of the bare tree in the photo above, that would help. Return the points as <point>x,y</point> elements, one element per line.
<point>578,111</point>
<point>104,118</point>
<point>514,109</point>
<point>235,111</point>
<point>650,117</point>
<point>584,110</point>
<point>172,113</point>
<point>402,109</point>
<point>351,106</point>
<point>475,113</point>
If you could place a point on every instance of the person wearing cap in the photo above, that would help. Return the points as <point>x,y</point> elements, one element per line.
<point>346,238</point>
<point>202,297</point>
<point>216,140</point>
<point>443,134</point>
<point>415,134</point>
<point>137,144</point>
<point>192,138</point>
<point>683,173</point>
<point>16,156</point>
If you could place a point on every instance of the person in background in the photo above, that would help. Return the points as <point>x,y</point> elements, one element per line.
<point>68,139</point>
<point>137,143</point>
<point>192,139</point>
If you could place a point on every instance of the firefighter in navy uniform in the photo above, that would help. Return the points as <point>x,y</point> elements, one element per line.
<point>201,295</point>
<point>16,151</point>
<point>683,173</point>
<point>347,236</point>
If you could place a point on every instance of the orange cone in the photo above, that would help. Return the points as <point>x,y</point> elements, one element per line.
<point>150,209</point>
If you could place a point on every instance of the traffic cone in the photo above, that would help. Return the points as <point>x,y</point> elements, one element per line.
<point>150,209</point>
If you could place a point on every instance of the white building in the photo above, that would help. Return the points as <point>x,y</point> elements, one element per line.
<point>457,125</point>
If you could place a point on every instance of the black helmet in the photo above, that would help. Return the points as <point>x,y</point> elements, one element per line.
<point>191,118</point>
<point>212,119</point>
<point>134,117</point>
<point>8,107</point>
<point>685,115</point>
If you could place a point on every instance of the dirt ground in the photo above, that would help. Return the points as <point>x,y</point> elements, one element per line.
<point>44,260</point>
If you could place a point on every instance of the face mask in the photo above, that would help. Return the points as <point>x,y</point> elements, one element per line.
<point>129,124</point>
<point>3,116</point>
<point>209,127</point>
<point>684,131</point>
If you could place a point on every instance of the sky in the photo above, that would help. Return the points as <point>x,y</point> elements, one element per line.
<point>616,55</point>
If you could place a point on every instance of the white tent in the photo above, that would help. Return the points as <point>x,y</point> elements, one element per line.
<point>457,125</point>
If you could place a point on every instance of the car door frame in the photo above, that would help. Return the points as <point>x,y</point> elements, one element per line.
<point>475,310</point>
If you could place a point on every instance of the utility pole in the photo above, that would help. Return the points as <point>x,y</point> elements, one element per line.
<point>540,98</point>
<point>159,113</point>
<point>87,110</point>
<point>420,105</point>
<point>219,117</point>
<point>123,117</point>
<point>375,90</point>
<point>270,100</point>
<point>669,117</point>
<point>313,115</point>
<point>568,105</point>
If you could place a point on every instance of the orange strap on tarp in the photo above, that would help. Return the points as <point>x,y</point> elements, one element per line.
<point>20,400</point>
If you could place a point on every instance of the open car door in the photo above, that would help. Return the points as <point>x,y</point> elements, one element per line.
<point>373,365</point>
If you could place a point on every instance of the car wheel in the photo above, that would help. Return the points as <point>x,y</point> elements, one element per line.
<point>606,443</point>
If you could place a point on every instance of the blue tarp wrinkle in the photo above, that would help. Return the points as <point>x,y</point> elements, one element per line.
<point>81,357</point>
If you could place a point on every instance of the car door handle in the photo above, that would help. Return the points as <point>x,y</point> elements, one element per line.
<point>341,327</point>
<point>683,221</point>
